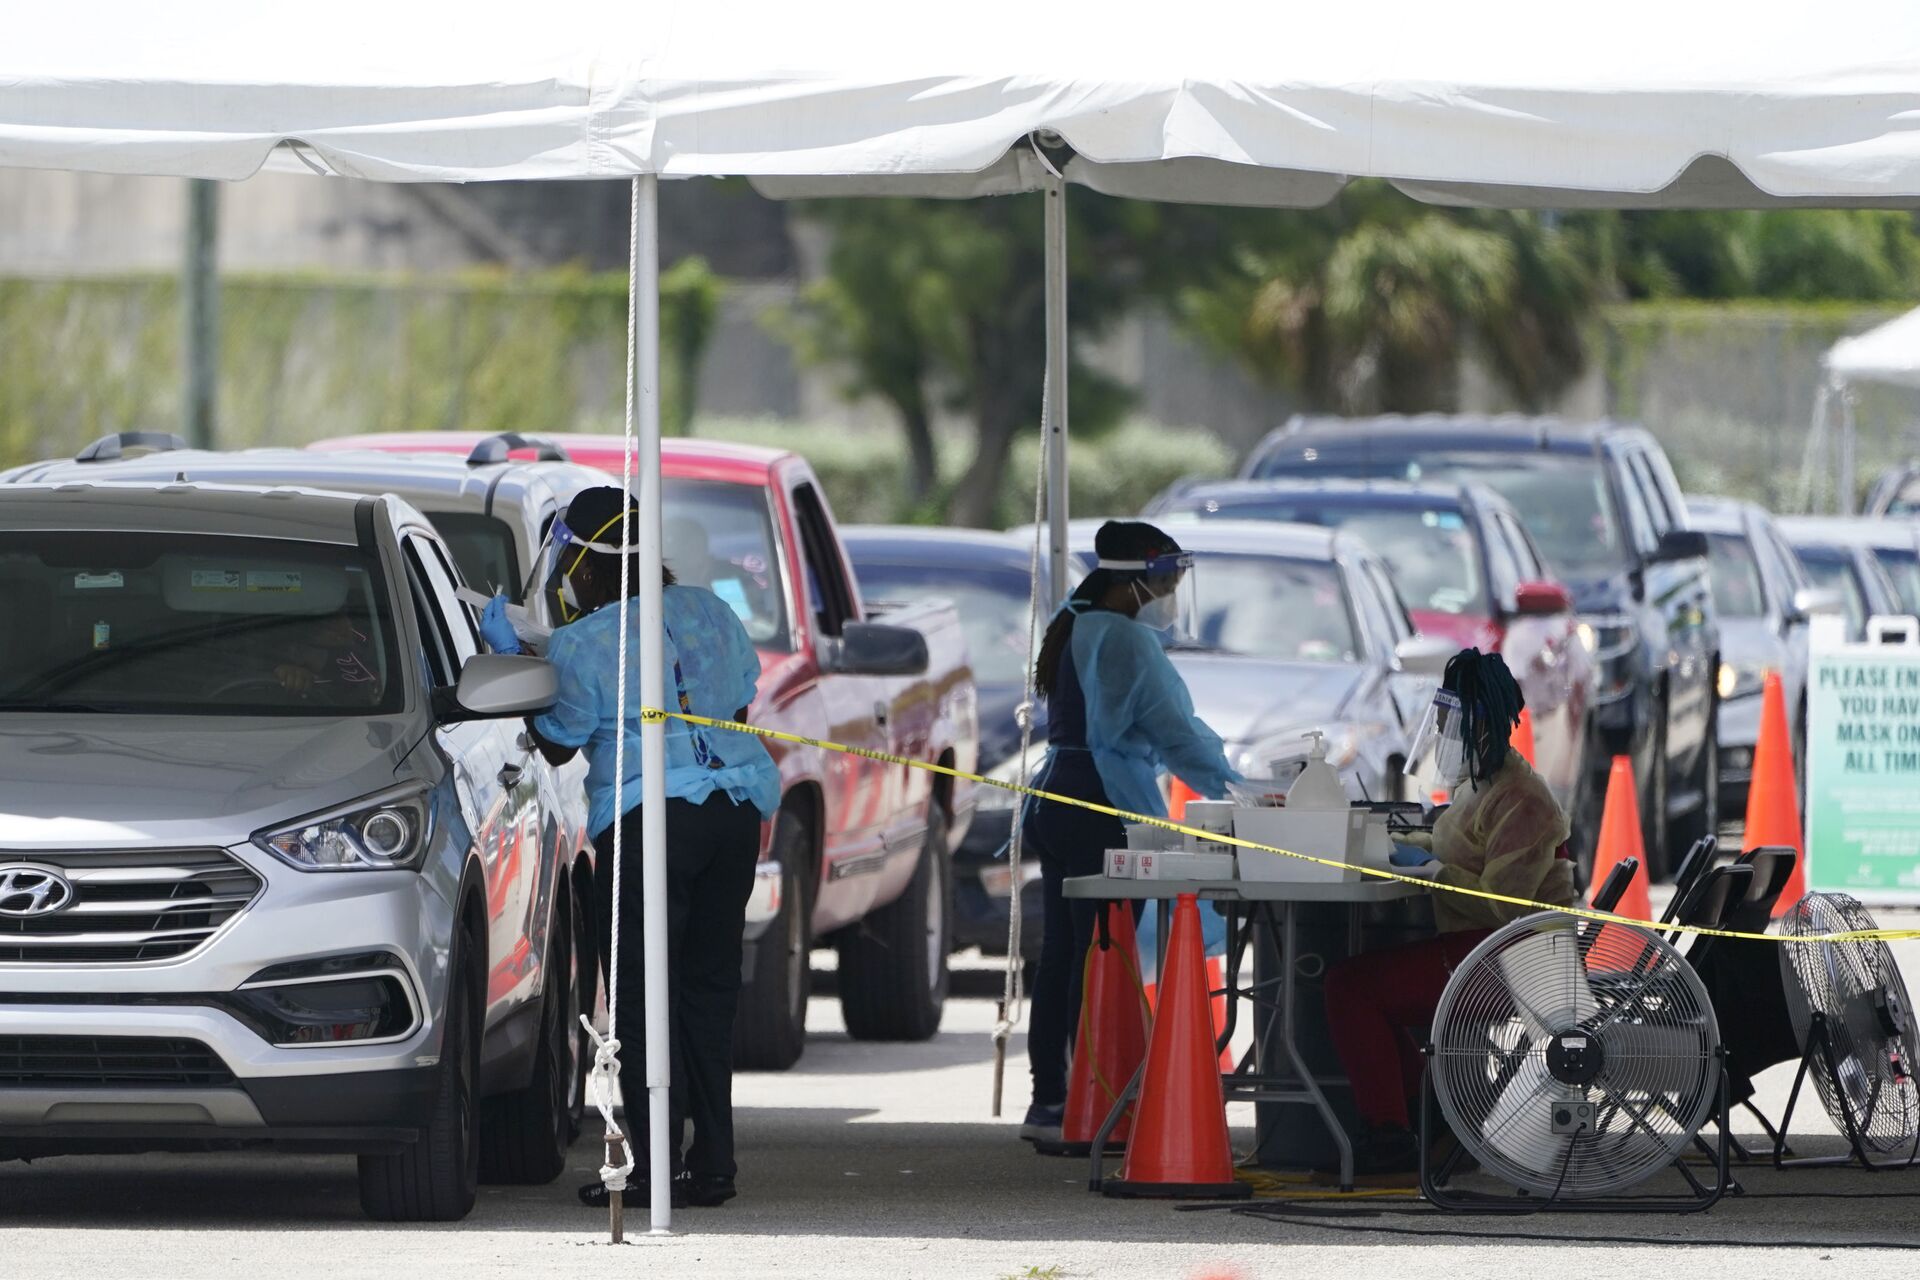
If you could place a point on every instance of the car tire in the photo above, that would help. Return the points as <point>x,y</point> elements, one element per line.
<point>1704,781</point>
<point>583,990</point>
<point>437,1177</point>
<point>770,1028</point>
<point>525,1135</point>
<point>893,965</point>
<point>1589,807</point>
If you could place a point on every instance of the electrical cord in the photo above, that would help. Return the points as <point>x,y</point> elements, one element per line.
<point>1348,1220</point>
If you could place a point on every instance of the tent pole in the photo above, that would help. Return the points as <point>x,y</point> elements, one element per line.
<point>1055,193</point>
<point>1849,455</point>
<point>653,733</point>
<point>200,295</point>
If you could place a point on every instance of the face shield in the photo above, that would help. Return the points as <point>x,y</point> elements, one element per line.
<point>1164,591</point>
<point>1438,753</point>
<point>562,553</point>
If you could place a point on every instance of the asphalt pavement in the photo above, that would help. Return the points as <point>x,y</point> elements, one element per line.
<point>870,1162</point>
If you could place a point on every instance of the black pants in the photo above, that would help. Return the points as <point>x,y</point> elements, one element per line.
<point>711,850</point>
<point>1070,842</point>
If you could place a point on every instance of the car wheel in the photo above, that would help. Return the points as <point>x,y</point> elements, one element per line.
<point>525,1135</point>
<point>770,1029</point>
<point>582,988</point>
<point>437,1177</point>
<point>893,965</point>
<point>1589,805</point>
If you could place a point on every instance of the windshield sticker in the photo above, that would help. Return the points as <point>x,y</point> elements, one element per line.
<point>735,595</point>
<point>111,581</point>
<point>1442,520</point>
<point>215,580</point>
<point>273,580</point>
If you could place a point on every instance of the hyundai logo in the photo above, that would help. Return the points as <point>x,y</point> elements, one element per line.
<point>27,890</point>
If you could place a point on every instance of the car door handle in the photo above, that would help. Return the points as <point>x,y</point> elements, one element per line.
<point>510,775</point>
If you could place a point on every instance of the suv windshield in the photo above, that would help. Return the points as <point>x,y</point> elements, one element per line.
<point>1563,498</point>
<point>720,536</point>
<point>1431,551</point>
<point>1737,592</point>
<point>1271,607</point>
<point>193,624</point>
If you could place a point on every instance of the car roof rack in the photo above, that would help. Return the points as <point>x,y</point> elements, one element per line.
<point>500,447</point>
<point>110,448</point>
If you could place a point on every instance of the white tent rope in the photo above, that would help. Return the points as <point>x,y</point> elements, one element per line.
<point>606,1057</point>
<point>1013,992</point>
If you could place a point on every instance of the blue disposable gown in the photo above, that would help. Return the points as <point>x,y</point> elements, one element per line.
<point>1140,716</point>
<point>718,670</point>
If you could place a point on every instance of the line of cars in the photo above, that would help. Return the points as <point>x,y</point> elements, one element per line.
<point>279,867</point>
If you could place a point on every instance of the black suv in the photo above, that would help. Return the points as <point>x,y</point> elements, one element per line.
<point>1601,502</point>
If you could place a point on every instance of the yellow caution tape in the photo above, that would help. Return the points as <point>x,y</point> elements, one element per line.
<point>654,715</point>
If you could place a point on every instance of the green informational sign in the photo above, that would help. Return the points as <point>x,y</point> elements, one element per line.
<point>1863,771</point>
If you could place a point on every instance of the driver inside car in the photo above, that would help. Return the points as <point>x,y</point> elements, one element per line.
<point>336,652</point>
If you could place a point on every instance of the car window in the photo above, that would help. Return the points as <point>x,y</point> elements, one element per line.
<point>1505,566</point>
<point>1906,499</point>
<point>1274,607</point>
<point>1399,625</point>
<point>1779,570</point>
<point>719,535</point>
<point>992,603</point>
<point>1663,518</point>
<point>454,619</point>
<point>1789,559</point>
<point>827,591</point>
<point>194,624</point>
<point>1737,588</point>
<point>1833,571</point>
<point>1902,567</point>
<point>483,548</point>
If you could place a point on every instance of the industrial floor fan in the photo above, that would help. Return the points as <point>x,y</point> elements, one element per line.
<point>1573,1061</point>
<point>1857,1034</point>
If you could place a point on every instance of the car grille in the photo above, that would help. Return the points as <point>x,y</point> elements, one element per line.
<point>130,906</point>
<point>108,1061</point>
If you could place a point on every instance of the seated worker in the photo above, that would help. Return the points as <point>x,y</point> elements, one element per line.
<point>1503,833</point>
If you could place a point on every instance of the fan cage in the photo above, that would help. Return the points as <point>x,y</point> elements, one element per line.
<point>1868,1087</point>
<point>1527,1007</point>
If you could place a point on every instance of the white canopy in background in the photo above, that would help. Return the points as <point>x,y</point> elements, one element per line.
<point>1886,353</point>
<point>1503,101</point>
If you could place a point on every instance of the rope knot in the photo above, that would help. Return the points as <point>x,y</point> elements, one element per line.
<point>1023,714</point>
<point>601,1082</point>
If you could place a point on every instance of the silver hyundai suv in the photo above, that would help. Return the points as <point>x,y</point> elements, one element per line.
<point>273,865</point>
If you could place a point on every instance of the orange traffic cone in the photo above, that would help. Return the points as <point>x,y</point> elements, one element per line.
<point>1217,984</point>
<point>1180,1147</point>
<point>1615,947</point>
<point>1773,812</point>
<point>1178,793</point>
<point>1111,1041</point>
<point>1522,740</point>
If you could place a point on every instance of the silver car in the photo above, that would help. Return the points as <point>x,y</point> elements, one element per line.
<point>274,867</point>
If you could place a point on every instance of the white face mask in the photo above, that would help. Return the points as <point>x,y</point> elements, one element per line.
<point>1159,613</point>
<point>567,597</point>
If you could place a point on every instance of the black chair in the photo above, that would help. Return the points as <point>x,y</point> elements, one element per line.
<point>1772,868</point>
<point>1692,867</point>
<point>1615,886</point>
<point>1710,904</point>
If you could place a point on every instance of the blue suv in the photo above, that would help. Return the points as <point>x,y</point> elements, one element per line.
<point>1601,502</point>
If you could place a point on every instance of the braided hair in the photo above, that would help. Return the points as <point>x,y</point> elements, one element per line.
<point>1490,706</point>
<point>1116,540</point>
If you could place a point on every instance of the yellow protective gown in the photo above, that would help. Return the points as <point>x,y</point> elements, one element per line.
<point>1502,837</point>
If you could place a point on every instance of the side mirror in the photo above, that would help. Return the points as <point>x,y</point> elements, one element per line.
<point>495,686</point>
<point>876,649</point>
<point>1534,599</point>
<point>1680,544</point>
<point>1808,601</point>
<point>1424,655</point>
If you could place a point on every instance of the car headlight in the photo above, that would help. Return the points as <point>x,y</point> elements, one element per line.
<point>1589,639</point>
<point>1009,772</point>
<point>383,833</point>
<point>1740,679</point>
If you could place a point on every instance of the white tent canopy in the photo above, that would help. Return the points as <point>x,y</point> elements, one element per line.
<point>1648,103</point>
<point>1888,353</point>
<point>1503,102</point>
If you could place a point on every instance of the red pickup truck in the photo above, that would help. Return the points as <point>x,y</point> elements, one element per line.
<point>863,847</point>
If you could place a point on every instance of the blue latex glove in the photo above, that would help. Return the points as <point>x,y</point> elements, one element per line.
<point>1406,855</point>
<point>495,629</point>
